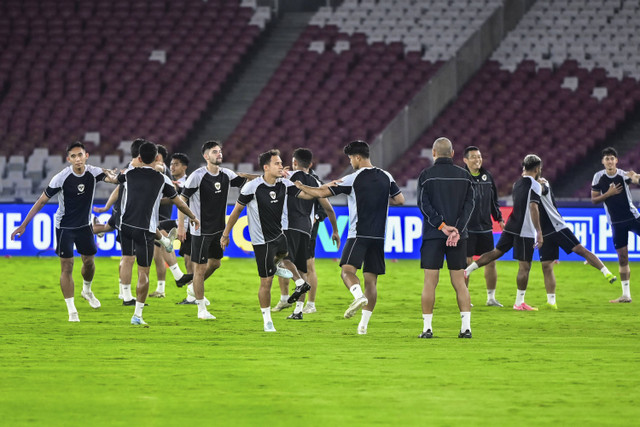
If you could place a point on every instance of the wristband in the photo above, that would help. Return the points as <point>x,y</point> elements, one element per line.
<point>441,226</point>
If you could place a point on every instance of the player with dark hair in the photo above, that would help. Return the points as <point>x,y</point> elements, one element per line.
<point>480,228</point>
<point>265,198</point>
<point>446,200</point>
<point>522,231</point>
<point>369,192</point>
<point>297,225</point>
<point>557,235</point>
<point>144,188</point>
<point>611,187</point>
<point>206,191</point>
<point>75,187</point>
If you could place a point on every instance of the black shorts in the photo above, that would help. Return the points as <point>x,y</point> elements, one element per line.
<point>137,242</point>
<point>522,246</point>
<point>362,250</point>
<point>206,247</point>
<point>621,232</point>
<point>112,222</point>
<point>311,248</point>
<point>434,251</point>
<point>266,253</point>
<point>167,224</point>
<point>297,245</point>
<point>185,247</point>
<point>565,239</point>
<point>479,243</point>
<point>82,237</point>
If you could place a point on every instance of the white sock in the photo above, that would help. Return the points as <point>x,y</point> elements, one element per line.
<point>356,291</point>
<point>138,310</point>
<point>266,314</point>
<point>311,304</point>
<point>426,318</point>
<point>160,287</point>
<point>491,294</point>
<point>465,317</point>
<point>626,291</point>
<point>175,270</point>
<point>126,292</point>
<point>86,286</point>
<point>71,307</point>
<point>366,315</point>
<point>605,271</point>
<point>551,299</point>
<point>202,307</point>
<point>471,268</point>
<point>299,305</point>
<point>520,296</point>
<point>284,298</point>
<point>299,282</point>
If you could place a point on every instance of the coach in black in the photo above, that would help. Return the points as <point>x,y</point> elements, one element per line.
<point>144,187</point>
<point>445,197</point>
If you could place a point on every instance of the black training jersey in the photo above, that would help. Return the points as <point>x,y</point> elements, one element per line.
<point>526,190</point>
<point>445,194</point>
<point>298,213</point>
<point>550,219</point>
<point>486,203</point>
<point>166,209</point>
<point>207,195</point>
<point>265,205</point>
<point>619,207</point>
<point>368,191</point>
<point>116,211</point>
<point>144,187</point>
<point>75,195</point>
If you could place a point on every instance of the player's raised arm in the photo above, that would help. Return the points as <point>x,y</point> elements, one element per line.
<point>182,207</point>
<point>110,201</point>
<point>309,193</point>
<point>37,206</point>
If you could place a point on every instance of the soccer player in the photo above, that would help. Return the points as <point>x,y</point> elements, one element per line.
<point>206,191</point>
<point>369,192</point>
<point>75,187</point>
<point>297,227</point>
<point>265,198</point>
<point>611,186</point>
<point>446,199</point>
<point>557,235</point>
<point>480,228</point>
<point>168,227</point>
<point>144,188</point>
<point>522,231</point>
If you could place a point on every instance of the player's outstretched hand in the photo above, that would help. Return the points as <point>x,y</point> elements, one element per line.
<point>18,232</point>
<point>336,239</point>
<point>224,241</point>
<point>100,210</point>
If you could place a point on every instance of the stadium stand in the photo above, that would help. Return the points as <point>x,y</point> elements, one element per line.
<point>350,72</point>
<point>113,71</point>
<point>559,84</point>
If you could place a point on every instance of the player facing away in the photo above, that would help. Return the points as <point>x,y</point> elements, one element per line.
<point>144,187</point>
<point>557,235</point>
<point>206,191</point>
<point>297,227</point>
<point>264,198</point>
<point>75,187</point>
<point>369,192</point>
<point>522,231</point>
<point>446,200</point>
<point>480,227</point>
<point>611,186</point>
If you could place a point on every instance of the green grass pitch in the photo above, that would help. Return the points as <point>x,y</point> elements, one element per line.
<point>575,366</point>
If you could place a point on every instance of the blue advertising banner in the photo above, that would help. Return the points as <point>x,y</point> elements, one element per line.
<point>403,240</point>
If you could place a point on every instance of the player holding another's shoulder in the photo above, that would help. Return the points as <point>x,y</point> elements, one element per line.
<point>369,192</point>
<point>75,187</point>
<point>611,187</point>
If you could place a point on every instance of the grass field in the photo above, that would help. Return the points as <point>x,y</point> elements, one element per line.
<point>577,365</point>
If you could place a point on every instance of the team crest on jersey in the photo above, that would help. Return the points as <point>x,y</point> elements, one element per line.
<point>80,188</point>
<point>217,185</point>
<point>484,177</point>
<point>272,194</point>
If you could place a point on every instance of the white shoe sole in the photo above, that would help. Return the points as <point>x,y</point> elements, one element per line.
<point>354,307</point>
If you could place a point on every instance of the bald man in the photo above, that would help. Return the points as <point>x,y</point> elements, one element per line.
<point>445,197</point>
